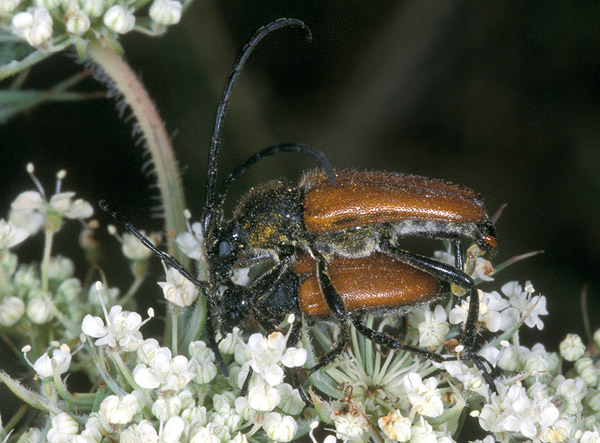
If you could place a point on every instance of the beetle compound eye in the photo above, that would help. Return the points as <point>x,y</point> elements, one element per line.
<point>224,248</point>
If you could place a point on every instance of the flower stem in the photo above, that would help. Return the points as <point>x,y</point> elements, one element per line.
<point>155,135</point>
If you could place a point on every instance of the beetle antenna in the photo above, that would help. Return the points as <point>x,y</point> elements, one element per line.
<point>267,152</point>
<point>211,180</point>
<point>166,258</point>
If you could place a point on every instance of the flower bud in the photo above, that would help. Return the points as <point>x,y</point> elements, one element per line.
<point>39,310</point>
<point>63,428</point>
<point>68,290</point>
<point>509,359</point>
<point>586,369</point>
<point>597,338</point>
<point>278,427</point>
<point>166,12</point>
<point>592,400</point>
<point>572,348</point>
<point>291,402</point>
<point>120,411</point>
<point>119,19</point>
<point>165,407</point>
<point>263,397</point>
<point>93,8</point>
<point>78,22</point>
<point>47,4</point>
<point>11,311</point>
<point>7,6</point>
<point>35,27</point>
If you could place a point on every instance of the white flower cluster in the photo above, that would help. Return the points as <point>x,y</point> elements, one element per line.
<point>174,388</point>
<point>40,22</point>
<point>410,401</point>
<point>32,296</point>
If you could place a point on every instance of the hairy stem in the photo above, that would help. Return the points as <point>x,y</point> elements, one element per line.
<point>155,135</point>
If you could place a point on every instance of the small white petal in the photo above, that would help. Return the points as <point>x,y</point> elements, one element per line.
<point>93,326</point>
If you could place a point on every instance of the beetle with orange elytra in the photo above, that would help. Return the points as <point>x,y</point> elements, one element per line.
<point>328,248</point>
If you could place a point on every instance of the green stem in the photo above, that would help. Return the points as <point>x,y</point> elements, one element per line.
<point>49,235</point>
<point>156,137</point>
<point>174,314</point>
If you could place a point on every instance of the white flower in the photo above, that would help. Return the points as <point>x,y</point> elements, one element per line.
<point>35,27</point>
<point>538,360</point>
<point>31,209</point>
<point>422,432</point>
<point>142,432</point>
<point>263,397</point>
<point>134,249</point>
<point>433,328</point>
<point>165,12</point>
<point>202,434</point>
<point>572,391</point>
<point>514,411</point>
<point>45,366</point>
<point>572,348</point>
<point>267,352</point>
<point>120,410</point>
<point>279,427</point>
<point>178,289</point>
<point>7,6</point>
<point>522,302</point>
<point>173,430</point>
<point>92,432</point>
<point>509,358</point>
<point>590,437</point>
<point>63,428</point>
<point>470,377</point>
<point>122,329</point>
<point>11,311</point>
<point>166,407</point>
<point>351,423</point>
<point>10,235</point>
<point>424,396</point>
<point>558,432</point>
<point>395,426</point>
<point>492,312</point>
<point>119,19</point>
<point>164,372</point>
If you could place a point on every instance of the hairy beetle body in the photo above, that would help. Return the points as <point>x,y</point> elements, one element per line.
<point>328,248</point>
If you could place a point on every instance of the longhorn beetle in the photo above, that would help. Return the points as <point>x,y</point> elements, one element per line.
<point>328,248</point>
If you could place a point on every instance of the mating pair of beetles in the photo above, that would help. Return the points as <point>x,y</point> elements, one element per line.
<point>328,248</point>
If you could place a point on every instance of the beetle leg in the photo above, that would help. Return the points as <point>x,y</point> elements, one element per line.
<point>244,389</point>
<point>444,272</point>
<point>337,349</point>
<point>387,340</point>
<point>458,254</point>
<point>451,275</point>
<point>212,342</point>
<point>332,297</point>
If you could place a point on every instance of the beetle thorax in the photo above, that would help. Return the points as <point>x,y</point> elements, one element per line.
<point>270,217</point>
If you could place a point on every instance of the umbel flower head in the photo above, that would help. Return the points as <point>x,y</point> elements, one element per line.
<point>54,24</point>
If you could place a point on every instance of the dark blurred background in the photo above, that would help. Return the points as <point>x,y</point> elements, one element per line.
<point>502,97</point>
